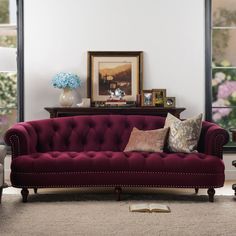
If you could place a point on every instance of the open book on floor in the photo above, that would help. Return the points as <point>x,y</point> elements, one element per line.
<point>149,207</point>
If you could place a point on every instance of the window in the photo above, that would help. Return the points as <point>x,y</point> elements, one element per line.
<point>8,73</point>
<point>223,63</point>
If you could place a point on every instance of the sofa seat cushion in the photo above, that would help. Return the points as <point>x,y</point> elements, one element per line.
<point>117,161</point>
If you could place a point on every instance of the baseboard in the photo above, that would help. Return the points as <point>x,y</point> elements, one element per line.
<point>230,175</point>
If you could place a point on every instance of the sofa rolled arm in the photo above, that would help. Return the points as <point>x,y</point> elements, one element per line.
<point>22,139</point>
<point>214,140</point>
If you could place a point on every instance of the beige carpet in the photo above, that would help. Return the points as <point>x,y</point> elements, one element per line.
<point>99,214</point>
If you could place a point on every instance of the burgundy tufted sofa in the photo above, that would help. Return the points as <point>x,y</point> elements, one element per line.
<point>88,151</point>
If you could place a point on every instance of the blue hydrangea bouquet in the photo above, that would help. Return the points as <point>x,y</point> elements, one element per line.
<point>64,80</point>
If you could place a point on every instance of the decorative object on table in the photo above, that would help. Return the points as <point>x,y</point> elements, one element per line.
<point>111,70</point>
<point>86,102</point>
<point>183,135</point>
<point>99,104</point>
<point>116,98</point>
<point>147,99</point>
<point>169,102</point>
<point>158,96</point>
<point>118,94</point>
<point>68,82</point>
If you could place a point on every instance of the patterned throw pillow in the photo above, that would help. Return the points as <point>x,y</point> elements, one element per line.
<point>183,135</point>
<point>147,140</point>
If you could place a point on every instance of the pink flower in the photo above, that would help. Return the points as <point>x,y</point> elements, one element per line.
<point>219,113</point>
<point>226,89</point>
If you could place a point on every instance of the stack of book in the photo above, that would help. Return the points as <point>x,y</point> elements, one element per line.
<point>114,102</point>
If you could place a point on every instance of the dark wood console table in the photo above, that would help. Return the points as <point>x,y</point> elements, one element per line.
<point>76,111</point>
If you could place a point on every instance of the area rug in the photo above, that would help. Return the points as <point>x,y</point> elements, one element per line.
<point>99,214</point>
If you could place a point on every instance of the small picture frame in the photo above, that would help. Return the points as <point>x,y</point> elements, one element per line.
<point>169,102</point>
<point>158,96</point>
<point>147,99</point>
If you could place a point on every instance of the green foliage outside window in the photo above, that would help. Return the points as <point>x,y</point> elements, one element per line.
<point>4,11</point>
<point>8,83</point>
<point>8,92</point>
<point>8,41</point>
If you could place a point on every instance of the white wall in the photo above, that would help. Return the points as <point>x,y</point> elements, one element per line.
<point>58,35</point>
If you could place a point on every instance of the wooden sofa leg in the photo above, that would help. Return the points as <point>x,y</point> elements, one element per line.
<point>1,188</point>
<point>196,190</point>
<point>35,190</point>
<point>118,191</point>
<point>211,193</point>
<point>24,193</point>
<point>234,188</point>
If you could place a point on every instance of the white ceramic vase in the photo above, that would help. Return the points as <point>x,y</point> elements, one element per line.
<point>67,97</point>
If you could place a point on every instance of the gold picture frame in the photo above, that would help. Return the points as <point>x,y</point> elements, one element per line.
<point>147,98</point>
<point>158,97</point>
<point>169,102</point>
<point>108,70</point>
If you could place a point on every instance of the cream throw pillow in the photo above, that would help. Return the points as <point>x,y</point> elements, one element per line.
<point>147,140</point>
<point>183,135</point>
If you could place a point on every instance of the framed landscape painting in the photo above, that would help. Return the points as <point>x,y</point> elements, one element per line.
<point>110,70</point>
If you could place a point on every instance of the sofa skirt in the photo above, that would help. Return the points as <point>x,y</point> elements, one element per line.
<point>114,179</point>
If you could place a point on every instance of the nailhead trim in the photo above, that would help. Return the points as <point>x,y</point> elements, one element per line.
<point>116,172</point>
<point>115,185</point>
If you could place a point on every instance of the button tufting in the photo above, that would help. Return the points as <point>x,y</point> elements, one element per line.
<point>144,155</point>
<point>118,141</point>
<point>116,161</point>
<point>55,129</point>
<point>83,141</point>
<point>145,126</point>
<point>90,155</point>
<point>163,155</point>
<point>91,124</point>
<point>73,125</point>
<point>127,125</point>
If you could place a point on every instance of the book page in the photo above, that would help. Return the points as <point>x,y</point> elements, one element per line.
<point>139,207</point>
<point>154,207</point>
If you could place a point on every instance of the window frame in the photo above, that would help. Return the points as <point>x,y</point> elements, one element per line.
<point>19,27</point>
<point>208,67</point>
<point>20,60</point>
<point>208,51</point>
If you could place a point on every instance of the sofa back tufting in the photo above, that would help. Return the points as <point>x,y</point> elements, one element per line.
<point>97,133</point>
<point>86,133</point>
